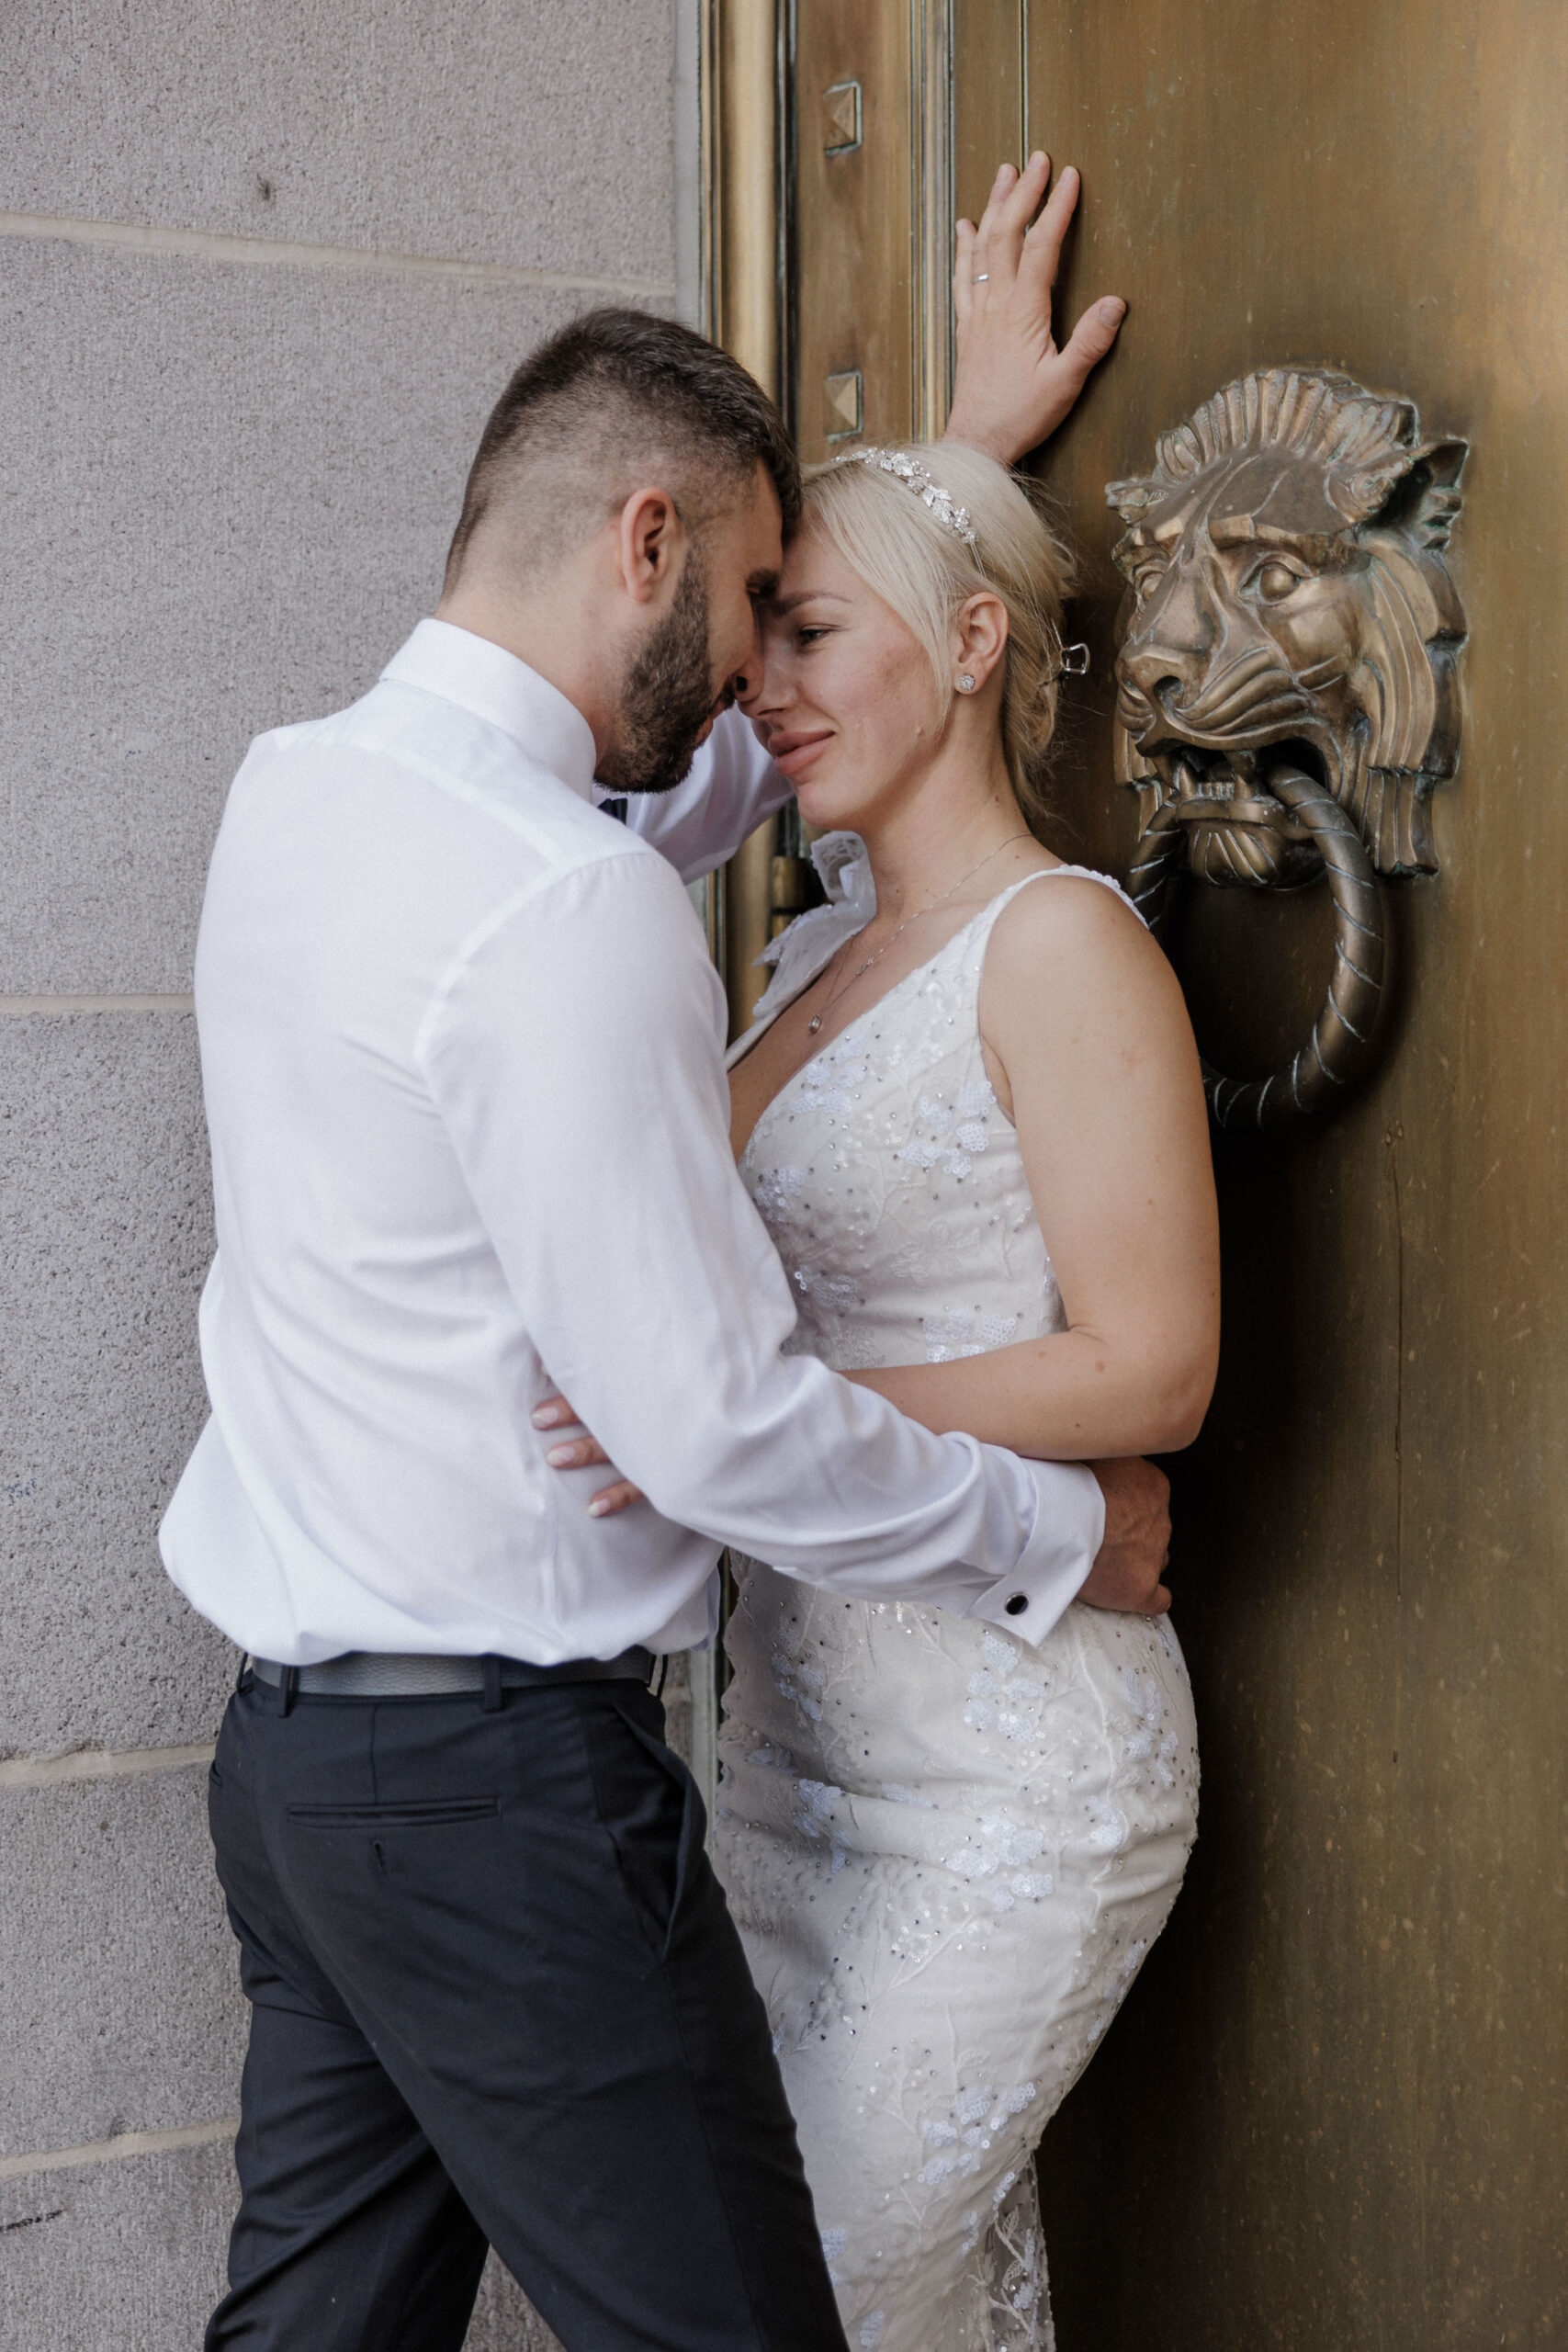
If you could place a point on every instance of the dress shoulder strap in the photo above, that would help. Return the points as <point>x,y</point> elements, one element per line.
<point>1052,874</point>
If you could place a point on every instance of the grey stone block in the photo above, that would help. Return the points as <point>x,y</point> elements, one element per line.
<point>529,133</point>
<point>129,2255</point>
<point>123,2009</point>
<point>505,2320</point>
<point>105,1205</point>
<point>116,2258</point>
<point>228,497</point>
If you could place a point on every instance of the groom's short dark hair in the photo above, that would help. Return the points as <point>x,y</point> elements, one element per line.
<point>608,404</point>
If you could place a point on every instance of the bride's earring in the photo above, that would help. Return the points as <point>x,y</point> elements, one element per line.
<point>967,682</point>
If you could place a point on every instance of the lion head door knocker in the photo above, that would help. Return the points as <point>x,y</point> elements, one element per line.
<point>1286,695</point>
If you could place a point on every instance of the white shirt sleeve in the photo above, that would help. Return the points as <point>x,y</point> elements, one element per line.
<point>733,784</point>
<point>573,1055</point>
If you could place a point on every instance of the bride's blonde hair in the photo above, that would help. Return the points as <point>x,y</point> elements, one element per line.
<point>920,564</point>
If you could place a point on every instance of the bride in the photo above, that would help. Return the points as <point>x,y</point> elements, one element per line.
<point>970,1114</point>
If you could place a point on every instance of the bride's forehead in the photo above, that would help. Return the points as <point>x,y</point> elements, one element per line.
<point>811,565</point>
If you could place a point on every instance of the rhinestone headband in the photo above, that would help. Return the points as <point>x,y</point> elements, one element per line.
<point>919,478</point>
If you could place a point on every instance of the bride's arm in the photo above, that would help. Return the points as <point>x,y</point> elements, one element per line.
<point>1083,1015</point>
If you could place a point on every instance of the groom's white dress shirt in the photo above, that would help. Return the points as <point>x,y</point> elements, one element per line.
<point>462,1055</point>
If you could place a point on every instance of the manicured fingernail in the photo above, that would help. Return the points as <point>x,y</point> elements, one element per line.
<point>1113,308</point>
<point>546,1417</point>
<point>561,1457</point>
<point>598,1510</point>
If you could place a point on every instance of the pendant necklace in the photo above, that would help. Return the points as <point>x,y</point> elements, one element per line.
<point>815,1023</point>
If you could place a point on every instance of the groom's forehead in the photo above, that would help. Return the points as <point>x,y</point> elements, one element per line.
<point>751,536</point>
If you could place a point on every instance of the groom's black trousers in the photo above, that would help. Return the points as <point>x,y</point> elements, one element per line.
<point>497,1996</point>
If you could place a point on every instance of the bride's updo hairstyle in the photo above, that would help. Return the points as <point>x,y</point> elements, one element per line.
<point>912,550</point>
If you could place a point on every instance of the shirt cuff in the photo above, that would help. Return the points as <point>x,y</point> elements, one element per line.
<point>1069,1527</point>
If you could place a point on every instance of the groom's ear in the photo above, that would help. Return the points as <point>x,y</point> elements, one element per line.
<point>651,539</point>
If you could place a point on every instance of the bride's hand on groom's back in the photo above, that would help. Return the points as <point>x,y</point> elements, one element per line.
<point>581,1450</point>
<point>1132,1558</point>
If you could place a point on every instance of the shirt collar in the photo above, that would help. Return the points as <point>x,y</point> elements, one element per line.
<point>483,677</point>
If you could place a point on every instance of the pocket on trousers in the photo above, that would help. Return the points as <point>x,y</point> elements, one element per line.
<point>431,1813</point>
<point>658,1846</point>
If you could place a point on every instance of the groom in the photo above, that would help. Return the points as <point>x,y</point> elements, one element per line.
<point>461,1055</point>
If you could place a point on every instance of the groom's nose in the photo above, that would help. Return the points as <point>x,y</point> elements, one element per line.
<point>751,678</point>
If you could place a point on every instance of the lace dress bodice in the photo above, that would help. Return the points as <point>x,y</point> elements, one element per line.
<point>890,1178</point>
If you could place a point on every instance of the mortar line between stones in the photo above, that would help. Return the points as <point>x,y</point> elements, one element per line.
<point>17,1008</point>
<point>99,1764</point>
<point>116,2151</point>
<point>205,245</point>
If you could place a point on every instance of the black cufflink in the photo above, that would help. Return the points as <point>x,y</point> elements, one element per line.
<point>1017,1603</point>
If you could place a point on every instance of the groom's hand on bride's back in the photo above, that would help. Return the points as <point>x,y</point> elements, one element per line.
<point>1132,1558</point>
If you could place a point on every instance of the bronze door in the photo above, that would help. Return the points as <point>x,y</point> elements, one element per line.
<point>1332,2114</point>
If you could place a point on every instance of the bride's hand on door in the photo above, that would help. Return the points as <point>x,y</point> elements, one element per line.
<point>581,1450</point>
<point>1014,385</point>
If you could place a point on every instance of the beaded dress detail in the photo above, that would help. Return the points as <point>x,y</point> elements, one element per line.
<point>947,1852</point>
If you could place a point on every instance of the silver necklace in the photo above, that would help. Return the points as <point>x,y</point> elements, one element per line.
<point>815,1023</point>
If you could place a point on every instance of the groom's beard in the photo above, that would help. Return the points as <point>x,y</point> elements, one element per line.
<point>667,699</point>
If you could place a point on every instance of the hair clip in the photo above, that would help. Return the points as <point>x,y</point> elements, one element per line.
<point>1074,662</point>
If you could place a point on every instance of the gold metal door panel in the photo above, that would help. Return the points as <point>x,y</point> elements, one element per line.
<point>990,93</point>
<point>1334,2114</point>
<point>854,313</point>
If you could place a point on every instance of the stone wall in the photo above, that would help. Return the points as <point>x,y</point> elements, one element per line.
<point>261,272</point>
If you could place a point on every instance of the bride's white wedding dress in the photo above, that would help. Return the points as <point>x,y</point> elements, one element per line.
<point>947,1853</point>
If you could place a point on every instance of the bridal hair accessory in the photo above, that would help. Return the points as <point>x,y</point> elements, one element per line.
<point>1074,662</point>
<point>920,479</point>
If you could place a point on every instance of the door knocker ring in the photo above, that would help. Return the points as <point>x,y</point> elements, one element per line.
<point>1334,1055</point>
